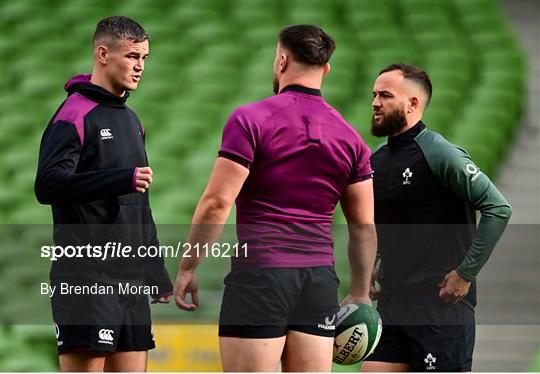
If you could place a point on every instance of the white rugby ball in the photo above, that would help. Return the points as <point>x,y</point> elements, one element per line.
<point>358,330</point>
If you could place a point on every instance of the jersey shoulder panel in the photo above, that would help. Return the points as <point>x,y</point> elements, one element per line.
<point>74,110</point>
<point>378,148</point>
<point>440,154</point>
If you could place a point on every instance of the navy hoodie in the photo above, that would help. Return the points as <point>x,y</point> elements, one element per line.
<point>87,162</point>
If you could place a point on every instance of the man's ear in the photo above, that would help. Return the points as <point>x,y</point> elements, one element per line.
<point>326,69</point>
<point>283,62</point>
<point>413,105</point>
<point>102,54</point>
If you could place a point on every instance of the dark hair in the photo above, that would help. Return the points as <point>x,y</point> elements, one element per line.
<point>413,74</point>
<point>116,28</point>
<point>308,44</point>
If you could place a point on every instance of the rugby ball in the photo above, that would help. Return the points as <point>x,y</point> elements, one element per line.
<point>358,330</point>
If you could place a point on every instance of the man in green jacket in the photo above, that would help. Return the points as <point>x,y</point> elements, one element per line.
<point>427,191</point>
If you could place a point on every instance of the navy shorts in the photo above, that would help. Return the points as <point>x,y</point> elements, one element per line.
<point>101,323</point>
<point>267,302</point>
<point>426,333</point>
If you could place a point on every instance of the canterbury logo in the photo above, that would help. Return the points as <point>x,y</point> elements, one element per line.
<point>105,134</point>
<point>105,336</point>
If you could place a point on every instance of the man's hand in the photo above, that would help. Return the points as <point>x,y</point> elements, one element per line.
<point>453,288</point>
<point>375,288</point>
<point>162,299</point>
<point>143,178</point>
<point>186,283</point>
<point>355,300</point>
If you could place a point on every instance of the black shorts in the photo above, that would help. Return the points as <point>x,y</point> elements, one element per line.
<point>266,302</point>
<point>426,333</point>
<point>101,322</point>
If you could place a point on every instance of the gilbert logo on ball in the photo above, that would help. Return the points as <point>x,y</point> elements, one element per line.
<point>358,330</point>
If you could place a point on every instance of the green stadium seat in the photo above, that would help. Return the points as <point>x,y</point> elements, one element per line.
<point>206,33</point>
<point>465,7</point>
<point>255,13</point>
<point>448,78</point>
<point>502,80</point>
<point>474,23</point>
<point>427,39</point>
<point>190,13</point>
<point>438,118</point>
<point>261,36</point>
<point>31,212</point>
<point>14,11</point>
<point>487,41</point>
<point>435,22</point>
<point>28,362</point>
<point>223,53</point>
<point>486,97</point>
<point>318,10</point>
<point>345,58</point>
<point>509,62</point>
<point>377,39</point>
<point>448,59</point>
<point>367,8</point>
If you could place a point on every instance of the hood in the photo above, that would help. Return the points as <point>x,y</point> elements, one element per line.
<point>82,84</point>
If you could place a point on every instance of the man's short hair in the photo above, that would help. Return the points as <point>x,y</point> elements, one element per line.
<point>413,74</point>
<point>308,44</point>
<point>112,30</point>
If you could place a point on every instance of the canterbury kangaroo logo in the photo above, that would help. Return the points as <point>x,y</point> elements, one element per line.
<point>106,335</point>
<point>105,134</point>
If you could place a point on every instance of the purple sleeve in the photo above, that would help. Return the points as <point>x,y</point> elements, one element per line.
<point>362,168</point>
<point>239,140</point>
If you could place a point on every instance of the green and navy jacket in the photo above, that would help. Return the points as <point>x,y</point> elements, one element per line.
<point>427,191</point>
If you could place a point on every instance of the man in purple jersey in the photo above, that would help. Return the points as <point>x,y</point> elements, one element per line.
<point>287,161</point>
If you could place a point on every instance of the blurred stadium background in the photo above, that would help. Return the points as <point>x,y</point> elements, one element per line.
<point>206,58</point>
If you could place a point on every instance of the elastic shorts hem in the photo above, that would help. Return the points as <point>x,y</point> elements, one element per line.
<point>102,349</point>
<point>85,348</point>
<point>391,360</point>
<point>252,332</point>
<point>313,331</point>
<point>135,349</point>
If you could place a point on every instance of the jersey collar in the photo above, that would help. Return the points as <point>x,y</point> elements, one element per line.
<point>406,137</point>
<point>302,89</point>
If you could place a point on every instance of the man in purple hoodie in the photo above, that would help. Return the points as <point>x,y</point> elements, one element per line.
<point>287,161</point>
<point>94,172</point>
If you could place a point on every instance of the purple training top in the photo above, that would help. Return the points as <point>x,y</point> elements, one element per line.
<point>302,155</point>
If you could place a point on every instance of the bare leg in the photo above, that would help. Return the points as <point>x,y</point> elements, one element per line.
<point>378,366</point>
<point>127,361</point>
<point>305,352</point>
<point>82,361</point>
<point>241,354</point>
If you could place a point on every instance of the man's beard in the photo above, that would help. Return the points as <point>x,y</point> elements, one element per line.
<point>276,85</point>
<point>391,124</point>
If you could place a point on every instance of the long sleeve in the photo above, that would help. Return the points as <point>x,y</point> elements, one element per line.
<point>454,167</point>
<point>58,182</point>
